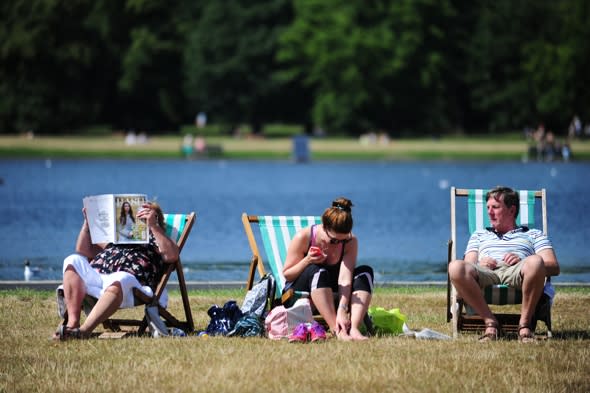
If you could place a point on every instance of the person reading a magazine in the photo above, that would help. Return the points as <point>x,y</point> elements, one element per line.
<point>115,269</point>
<point>321,260</point>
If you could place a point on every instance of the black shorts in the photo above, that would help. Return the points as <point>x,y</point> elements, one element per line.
<point>326,276</point>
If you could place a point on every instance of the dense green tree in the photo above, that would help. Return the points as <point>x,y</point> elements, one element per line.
<point>498,86</point>
<point>526,61</point>
<point>149,89</point>
<point>229,63</point>
<point>50,65</point>
<point>69,64</point>
<point>557,60</point>
<point>404,66</point>
<point>372,64</point>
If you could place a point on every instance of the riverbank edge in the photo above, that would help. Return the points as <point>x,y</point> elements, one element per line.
<point>467,148</point>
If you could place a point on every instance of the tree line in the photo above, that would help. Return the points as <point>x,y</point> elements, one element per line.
<point>405,67</point>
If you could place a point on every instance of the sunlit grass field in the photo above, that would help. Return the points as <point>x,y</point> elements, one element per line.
<point>31,362</point>
<point>113,146</point>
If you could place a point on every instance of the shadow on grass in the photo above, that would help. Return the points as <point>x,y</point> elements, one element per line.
<point>571,335</point>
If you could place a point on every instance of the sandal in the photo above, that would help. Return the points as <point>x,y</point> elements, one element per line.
<point>66,333</point>
<point>525,338</point>
<point>487,337</point>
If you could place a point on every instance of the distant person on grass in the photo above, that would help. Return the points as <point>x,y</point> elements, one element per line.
<point>113,270</point>
<point>321,260</point>
<point>504,254</point>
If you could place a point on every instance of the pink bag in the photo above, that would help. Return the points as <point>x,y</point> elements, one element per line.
<point>280,321</point>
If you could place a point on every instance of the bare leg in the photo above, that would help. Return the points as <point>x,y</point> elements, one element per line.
<point>323,300</point>
<point>533,280</point>
<point>74,293</point>
<point>107,304</point>
<point>359,305</point>
<point>464,278</point>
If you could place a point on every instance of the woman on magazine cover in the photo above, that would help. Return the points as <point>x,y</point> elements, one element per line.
<point>126,221</point>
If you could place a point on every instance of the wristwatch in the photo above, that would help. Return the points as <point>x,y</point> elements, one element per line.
<point>343,306</point>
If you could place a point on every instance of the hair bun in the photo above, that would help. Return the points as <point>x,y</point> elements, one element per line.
<point>341,206</point>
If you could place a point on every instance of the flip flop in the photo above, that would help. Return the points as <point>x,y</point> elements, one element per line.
<point>66,333</point>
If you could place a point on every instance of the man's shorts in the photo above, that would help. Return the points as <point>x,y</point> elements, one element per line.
<point>509,275</point>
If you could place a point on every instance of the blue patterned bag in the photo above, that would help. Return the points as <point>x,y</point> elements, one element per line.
<point>223,319</point>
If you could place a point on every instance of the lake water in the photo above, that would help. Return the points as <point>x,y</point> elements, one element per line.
<point>401,209</point>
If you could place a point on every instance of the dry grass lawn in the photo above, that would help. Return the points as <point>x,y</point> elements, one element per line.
<point>30,362</point>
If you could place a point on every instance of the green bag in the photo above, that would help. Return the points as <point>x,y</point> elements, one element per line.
<point>387,321</point>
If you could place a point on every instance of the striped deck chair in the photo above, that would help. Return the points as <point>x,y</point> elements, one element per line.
<point>276,233</point>
<point>178,227</point>
<point>461,315</point>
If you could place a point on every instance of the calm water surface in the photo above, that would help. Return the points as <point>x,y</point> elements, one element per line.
<point>401,209</point>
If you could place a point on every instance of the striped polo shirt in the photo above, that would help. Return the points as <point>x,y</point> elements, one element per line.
<point>520,241</point>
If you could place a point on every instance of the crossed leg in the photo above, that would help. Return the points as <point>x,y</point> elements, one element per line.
<point>74,293</point>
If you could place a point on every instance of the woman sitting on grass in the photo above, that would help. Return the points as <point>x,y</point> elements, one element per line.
<point>112,270</point>
<point>321,260</point>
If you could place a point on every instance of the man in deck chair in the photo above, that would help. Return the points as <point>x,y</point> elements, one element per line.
<point>321,260</point>
<point>110,272</point>
<point>504,254</point>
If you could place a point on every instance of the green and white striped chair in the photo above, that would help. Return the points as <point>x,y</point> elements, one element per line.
<point>178,227</point>
<point>275,233</point>
<point>478,218</point>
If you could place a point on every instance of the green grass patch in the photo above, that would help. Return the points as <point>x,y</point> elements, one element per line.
<point>210,130</point>
<point>256,155</point>
<point>274,148</point>
<point>277,130</point>
<point>282,130</point>
<point>25,152</point>
<point>31,362</point>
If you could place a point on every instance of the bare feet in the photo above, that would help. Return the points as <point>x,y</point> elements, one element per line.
<point>342,335</point>
<point>353,335</point>
<point>356,335</point>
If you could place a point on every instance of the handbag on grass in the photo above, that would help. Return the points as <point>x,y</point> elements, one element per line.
<point>387,321</point>
<point>223,319</point>
<point>281,321</point>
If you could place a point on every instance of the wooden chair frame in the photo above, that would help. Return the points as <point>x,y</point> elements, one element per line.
<point>139,326</point>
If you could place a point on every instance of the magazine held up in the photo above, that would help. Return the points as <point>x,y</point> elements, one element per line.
<point>112,218</point>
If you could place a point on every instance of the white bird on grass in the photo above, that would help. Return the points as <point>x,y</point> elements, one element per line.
<point>29,271</point>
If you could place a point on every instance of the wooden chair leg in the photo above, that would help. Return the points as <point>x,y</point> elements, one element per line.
<point>251,272</point>
<point>190,326</point>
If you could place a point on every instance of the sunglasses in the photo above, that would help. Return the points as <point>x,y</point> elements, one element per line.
<point>333,240</point>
